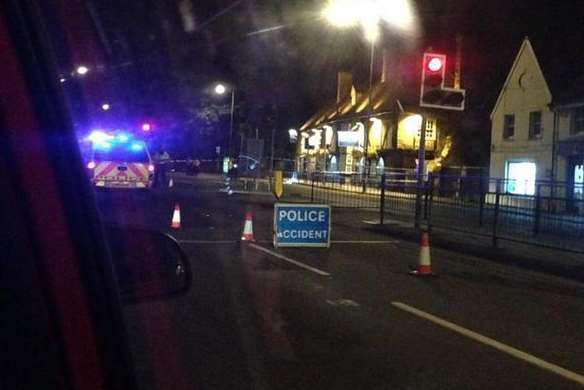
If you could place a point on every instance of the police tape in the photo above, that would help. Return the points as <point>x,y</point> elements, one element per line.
<point>184,161</point>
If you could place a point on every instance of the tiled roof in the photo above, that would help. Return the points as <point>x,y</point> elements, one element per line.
<point>383,96</point>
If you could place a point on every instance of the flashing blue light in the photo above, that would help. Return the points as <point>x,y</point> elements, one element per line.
<point>123,138</point>
<point>136,147</point>
<point>98,136</point>
<point>102,145</point>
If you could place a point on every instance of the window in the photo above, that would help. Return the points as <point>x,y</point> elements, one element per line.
<point>509,126</point>
<point>430,129</point>
<point>521,178</point>
<point>535,125</point>
<point>577,120</point>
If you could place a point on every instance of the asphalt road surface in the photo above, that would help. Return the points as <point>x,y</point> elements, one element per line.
<point>348,317</point>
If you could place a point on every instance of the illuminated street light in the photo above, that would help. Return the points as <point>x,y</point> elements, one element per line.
<point>82,70</point>
<point>341,13</point>
<point>371,32</point>
<point>369,14</point>
<point>220,89</point>
<point>105,106</point>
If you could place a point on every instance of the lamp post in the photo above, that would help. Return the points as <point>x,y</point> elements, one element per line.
<point>221,89</point>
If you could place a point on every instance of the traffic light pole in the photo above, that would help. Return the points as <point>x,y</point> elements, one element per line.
<point>420,174</point>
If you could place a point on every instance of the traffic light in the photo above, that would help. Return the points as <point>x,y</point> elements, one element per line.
<point>432,91</point>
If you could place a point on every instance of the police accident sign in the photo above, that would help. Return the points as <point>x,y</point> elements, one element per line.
<point>298,225</point>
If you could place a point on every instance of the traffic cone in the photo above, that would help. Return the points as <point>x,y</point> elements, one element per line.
<point>424,261</point>
<point>170,183</point>
<point>176,217</point>
<point>248,228</point>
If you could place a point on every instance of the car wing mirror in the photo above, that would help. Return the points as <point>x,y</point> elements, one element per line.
<point>147,264</point>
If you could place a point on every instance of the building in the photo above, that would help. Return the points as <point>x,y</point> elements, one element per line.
<point>537,123</point>
<point>350,135</point>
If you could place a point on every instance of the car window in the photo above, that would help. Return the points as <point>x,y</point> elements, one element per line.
<point>271,178</point>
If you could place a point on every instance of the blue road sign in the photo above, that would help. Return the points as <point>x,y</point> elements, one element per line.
<point>302,225</point>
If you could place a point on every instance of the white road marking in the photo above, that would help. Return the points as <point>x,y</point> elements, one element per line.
<point>387,221</point>
<point>207,241</point>
<point>365,242</point>
<point>289,260</point>
<point>268,242</point>
<point>516,353</point>
<point>343,302</point>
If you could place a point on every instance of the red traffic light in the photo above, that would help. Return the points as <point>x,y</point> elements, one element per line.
<point>435,64</point>
<point>146,126</point>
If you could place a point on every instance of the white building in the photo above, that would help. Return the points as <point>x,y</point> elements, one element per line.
<point>537,131</point>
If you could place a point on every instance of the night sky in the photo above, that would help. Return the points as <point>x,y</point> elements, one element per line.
<point>306,55</point>
<point>283,57</point>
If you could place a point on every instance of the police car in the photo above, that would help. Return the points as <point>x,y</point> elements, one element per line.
<point>119,161</point>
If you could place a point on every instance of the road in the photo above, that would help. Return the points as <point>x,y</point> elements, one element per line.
<point>350,318</point>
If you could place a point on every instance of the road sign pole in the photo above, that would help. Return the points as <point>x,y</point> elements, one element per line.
<point>420,174</point>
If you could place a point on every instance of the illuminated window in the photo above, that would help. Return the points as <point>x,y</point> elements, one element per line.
<point>333,165</point>
<point>509,126</point>
<point>328,135</point>
<point>521,177</point>
<point>315,140</point>
<point>376,132</point>
<point>535,125</point>
<point>430,129</point>
<point>380,165</point>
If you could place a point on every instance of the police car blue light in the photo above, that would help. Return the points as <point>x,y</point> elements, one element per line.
<point>136,147</point>
<point>123,138</point>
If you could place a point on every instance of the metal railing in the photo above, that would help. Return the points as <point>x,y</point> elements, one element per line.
<point>549,214</point>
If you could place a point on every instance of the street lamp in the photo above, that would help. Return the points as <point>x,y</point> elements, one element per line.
<point>82,70</point>
<point>105,106</point>
<point>221,89</point>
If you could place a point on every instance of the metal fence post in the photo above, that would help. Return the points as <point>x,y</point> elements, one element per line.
<point>382,200</point>
<point>537,211</point>
<point>496,212</point>
<point>430,204</point>
<point>482,194</point>
<point>312,189</point>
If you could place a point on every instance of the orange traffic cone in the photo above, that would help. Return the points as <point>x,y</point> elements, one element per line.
<point>248,228</point>
<point>424,261</point>
<point>176,217</point>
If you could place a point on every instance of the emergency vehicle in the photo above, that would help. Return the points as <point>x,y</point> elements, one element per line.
<point>119,161</point>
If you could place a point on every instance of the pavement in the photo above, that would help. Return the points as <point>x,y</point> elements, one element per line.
<point>346,317</point>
